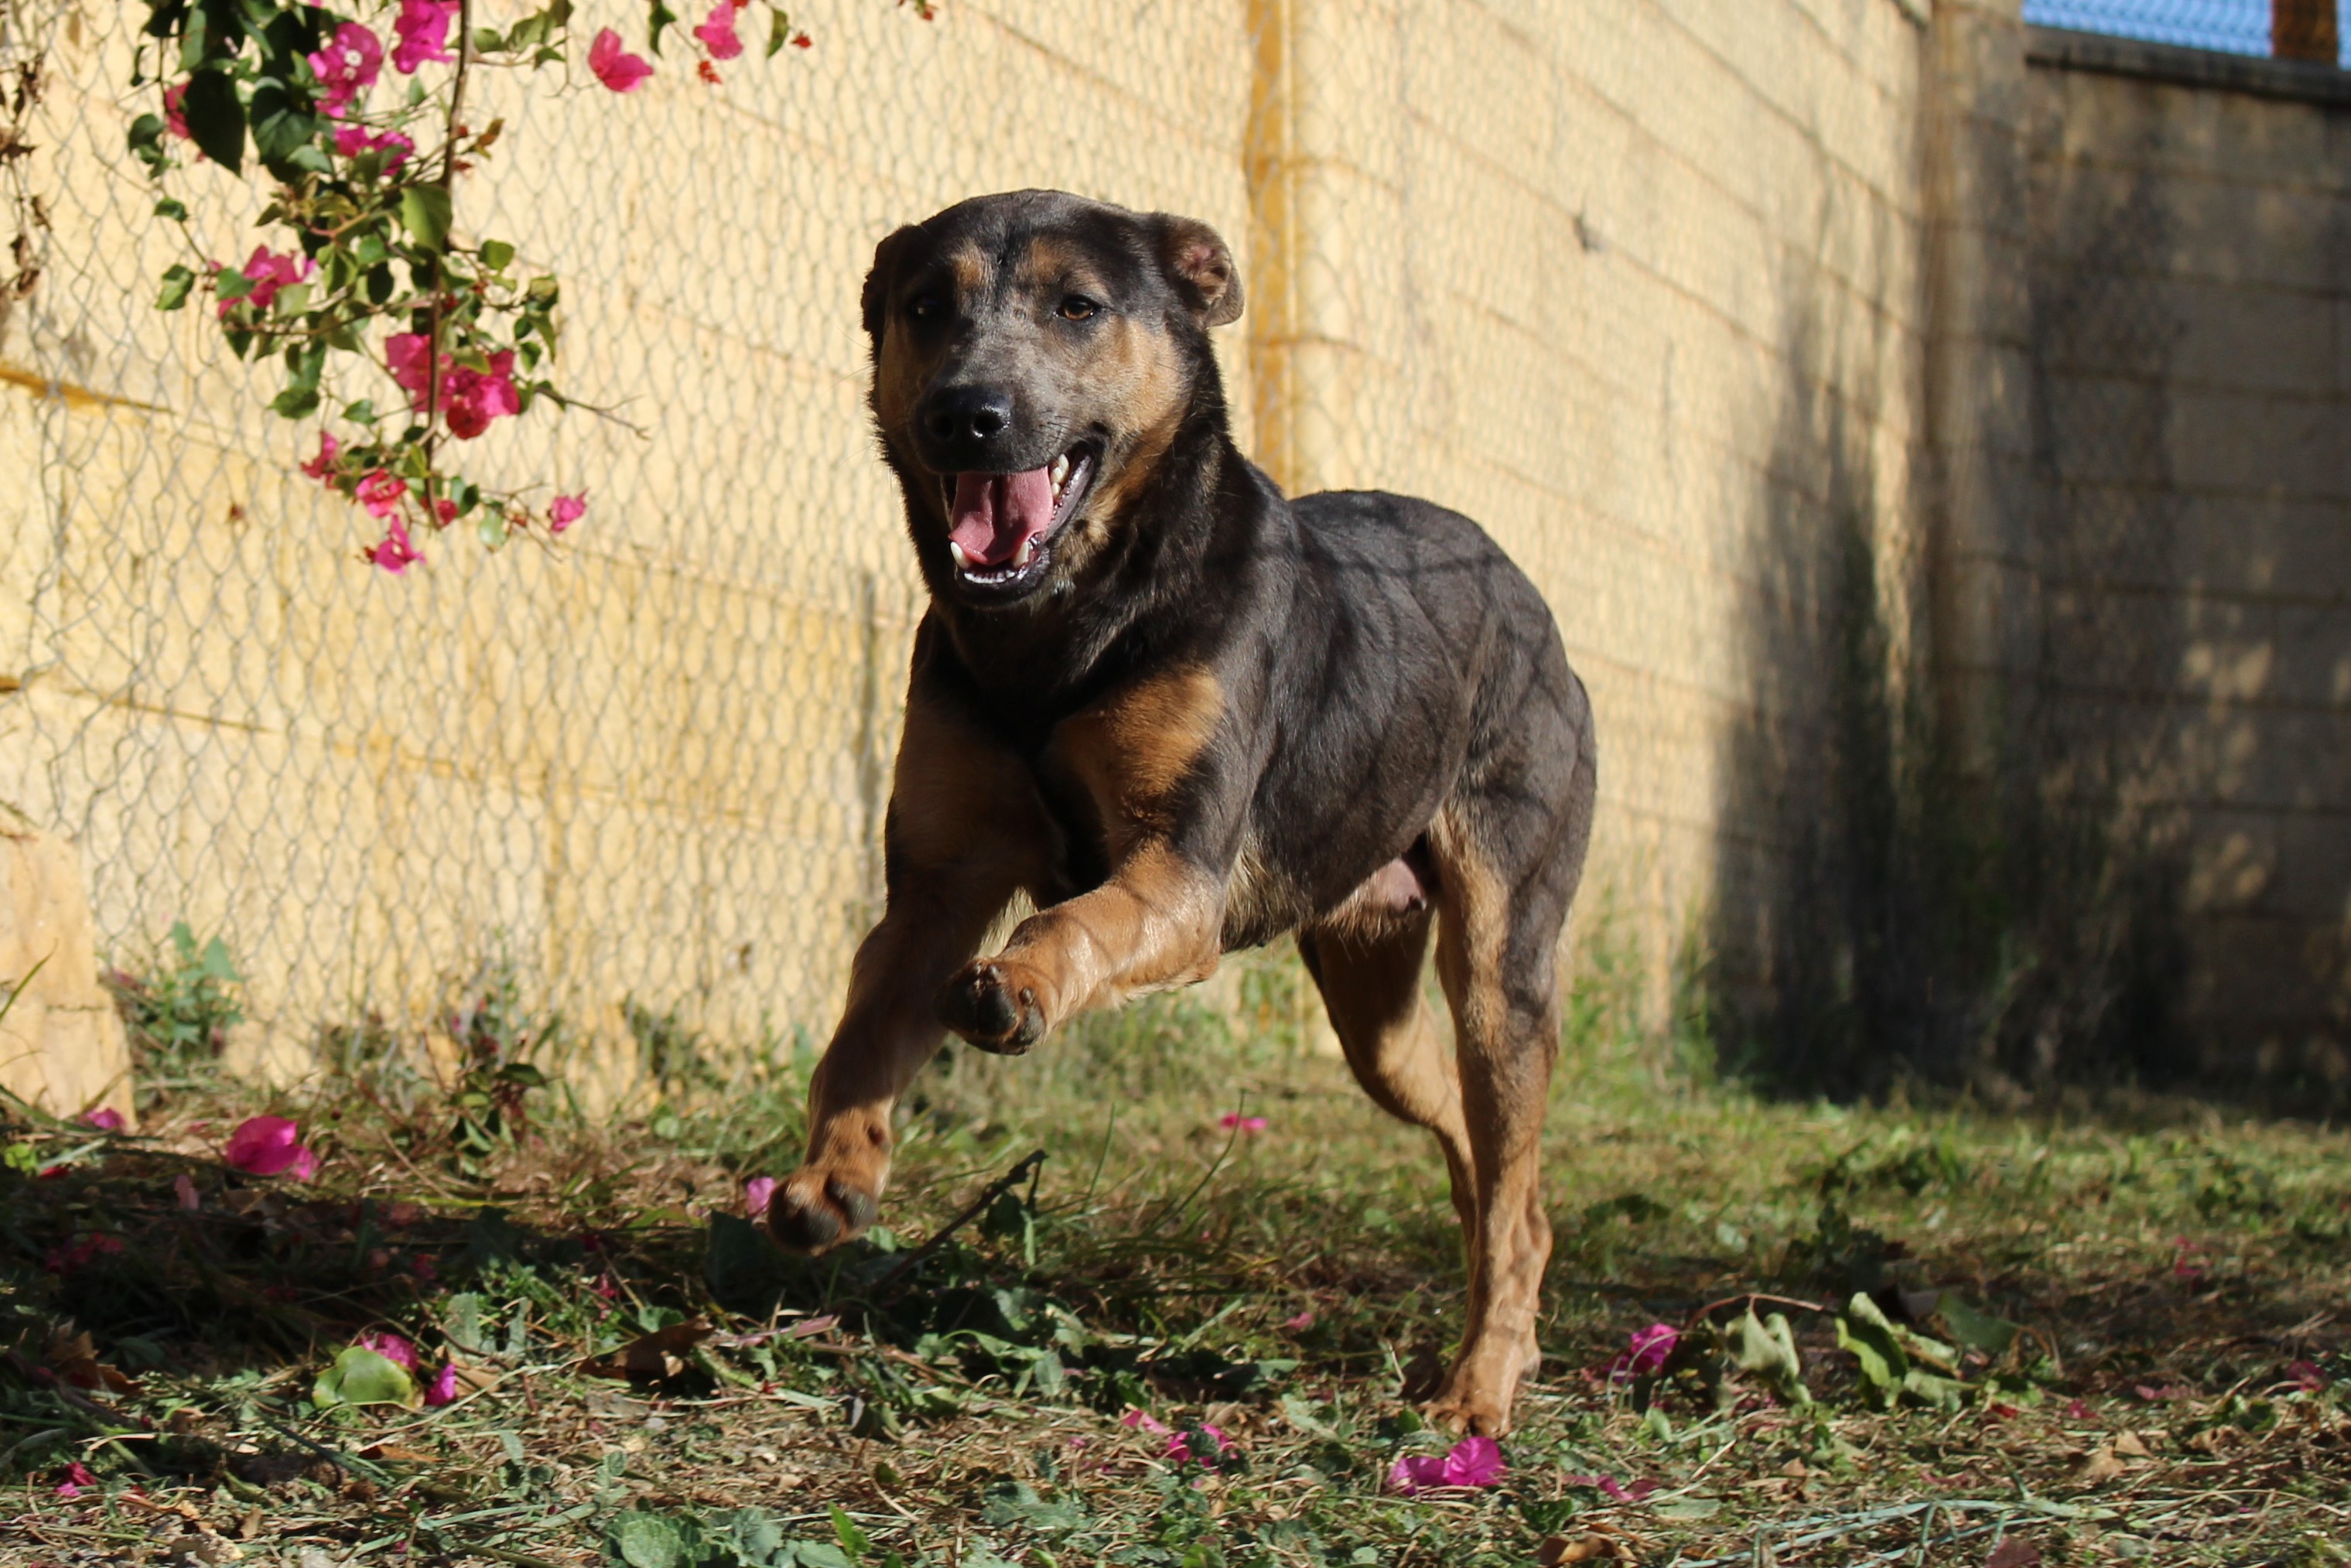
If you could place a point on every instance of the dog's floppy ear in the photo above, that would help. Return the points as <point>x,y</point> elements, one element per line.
<point>1201,268</point>
<point>886,257</point>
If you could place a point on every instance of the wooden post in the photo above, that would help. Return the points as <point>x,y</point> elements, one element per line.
<point>2304,30</point>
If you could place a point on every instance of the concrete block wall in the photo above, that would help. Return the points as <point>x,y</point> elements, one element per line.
<point>2190,270</point>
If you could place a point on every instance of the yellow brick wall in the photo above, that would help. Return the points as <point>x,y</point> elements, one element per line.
<point>1634,282</point>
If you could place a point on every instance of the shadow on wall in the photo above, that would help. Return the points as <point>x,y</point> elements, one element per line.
<point>1881,916</point>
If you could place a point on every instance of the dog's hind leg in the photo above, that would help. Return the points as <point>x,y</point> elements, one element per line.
<point>1510,852</point>
<point>1370,981</point>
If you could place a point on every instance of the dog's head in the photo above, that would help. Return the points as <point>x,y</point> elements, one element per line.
<point>1035,355</point>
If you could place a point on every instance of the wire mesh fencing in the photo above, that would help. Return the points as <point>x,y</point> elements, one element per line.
<point>2293,29</point>
<point>1637,285</point>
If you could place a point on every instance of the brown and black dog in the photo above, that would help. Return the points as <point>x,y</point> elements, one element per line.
<point>1185,715</point>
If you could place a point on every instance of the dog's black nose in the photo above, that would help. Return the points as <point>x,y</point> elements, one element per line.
<point>960,414</point>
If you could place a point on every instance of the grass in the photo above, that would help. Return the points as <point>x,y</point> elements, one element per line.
<point>640,1380</point>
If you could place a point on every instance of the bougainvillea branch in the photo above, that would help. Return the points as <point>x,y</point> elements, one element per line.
<point>365,264</point>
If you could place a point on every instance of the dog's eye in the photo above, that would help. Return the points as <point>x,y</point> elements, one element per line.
<point>1077,307</point>
<point>922,307</point>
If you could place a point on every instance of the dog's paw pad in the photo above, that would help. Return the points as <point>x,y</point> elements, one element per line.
<point>988,1007</point>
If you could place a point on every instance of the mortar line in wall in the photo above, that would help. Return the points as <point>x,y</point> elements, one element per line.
<point>2200,174</point>
<point>2189,699</point>
<point>2194,594</point>
<point>2330,398</point>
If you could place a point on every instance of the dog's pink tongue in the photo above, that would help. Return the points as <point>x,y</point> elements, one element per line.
<point>994,513</point>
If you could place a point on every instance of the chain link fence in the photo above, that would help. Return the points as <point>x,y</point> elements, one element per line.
<point>1637,284</point>
<point>2289,28</point>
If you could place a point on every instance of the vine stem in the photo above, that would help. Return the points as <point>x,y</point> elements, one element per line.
<point>440,276</point>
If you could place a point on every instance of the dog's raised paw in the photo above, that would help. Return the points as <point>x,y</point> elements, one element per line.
<point>810,1213</point>
<point>990,1005</point>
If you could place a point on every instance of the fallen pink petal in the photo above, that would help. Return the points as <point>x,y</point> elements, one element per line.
<point>264,1145</point>
<point>1142,1422</point>
<point>1304,1320</point>
<point>1234,1121</point>
<point>442,1389</point>
<point>106,1119</point>
<point>392,1347</point>
<point>757,1194</point>
<point>183,1189</point>
<point>1645,1353</point>
<point>77,1480</point>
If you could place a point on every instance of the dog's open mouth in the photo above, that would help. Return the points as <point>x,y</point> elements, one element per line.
<point>1000,527</point>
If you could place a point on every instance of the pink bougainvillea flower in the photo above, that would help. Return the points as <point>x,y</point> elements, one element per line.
<point>183,1189</point>
<point>616,66</point>
<point>561,512</point>
<point>269,272</point>
<point>717,31</point>
<point>392,1347</point>
<point>175,118</point>
<point>106,1119</point>
<point>269,1146</point>
<point>1142,1421</point>
<point>77,1480</point>
<point>1234,1121</point>
<point>397,553</point>
<point>404,357</point>
<point>351,140</point>
<point>1304,1320</point>
<point>423,1268</point>
<point>1473,1462</point>
<point>1645,1353</point>
<point>348,66</point>
<point>758,1191</point>
<point>323,466</point>
<point>66,1259</point>
<point>471,399</point>
<point>442,1389</point>
<point>422,30</point>
<point>380,493</point>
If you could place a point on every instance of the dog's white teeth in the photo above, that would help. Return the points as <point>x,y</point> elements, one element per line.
<point>1061,472</point>
<point>1028,549</point>
<point>963,561</point>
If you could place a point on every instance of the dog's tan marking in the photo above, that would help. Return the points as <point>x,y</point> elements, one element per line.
<point>1130,750</point>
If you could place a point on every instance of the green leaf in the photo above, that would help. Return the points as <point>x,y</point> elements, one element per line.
<point>1767,1350</point>
<point>1863,1330</point>
<point>853,1540</point>
<point>492,528</point>
<point>363,413</point>
<point>280,125</point>
<point>296,402</point>
<point>424,213</point>
<point>1977,1330</point>
<point>215,119</point>
<point>779,30</point>
<point>147,141</point>
<point>658,17</point>
<point>363,1376</point>
<point>496,253</point>
<point>490,41</point>
<point>171,208</point>
<point>381,284</point>
<point>178,280</point>
<point>643,1538</point>
<point>1688,1508</point>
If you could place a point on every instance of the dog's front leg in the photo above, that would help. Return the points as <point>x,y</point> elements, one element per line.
<point>1156,923</point>
<point>963,836</point>
<point>888,1031</point>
